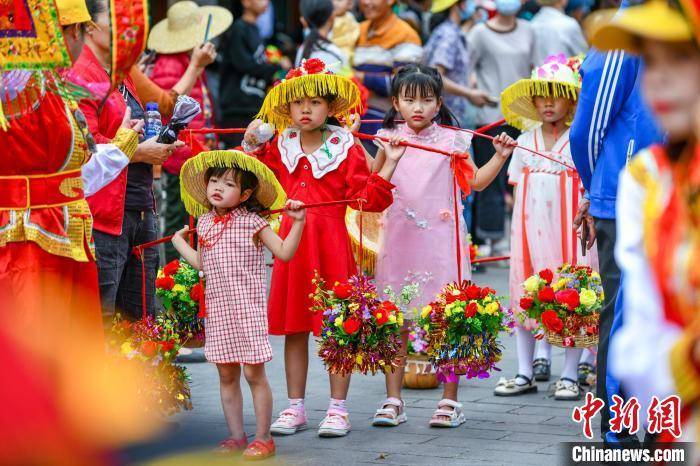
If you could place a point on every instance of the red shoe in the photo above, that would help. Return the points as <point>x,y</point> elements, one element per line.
<point>232,445</point>
<point>259,450</point>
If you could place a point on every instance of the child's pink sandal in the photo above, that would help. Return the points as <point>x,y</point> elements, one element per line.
<point>335,424</point>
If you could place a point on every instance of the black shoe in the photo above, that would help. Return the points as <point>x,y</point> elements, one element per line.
<point>584,370</point>
<point>541,370</point>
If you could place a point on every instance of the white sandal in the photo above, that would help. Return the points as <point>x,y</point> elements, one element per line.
<point>455,416</point>
<point>390,414</point>
<point>511,387</point>
<point>567,389</point>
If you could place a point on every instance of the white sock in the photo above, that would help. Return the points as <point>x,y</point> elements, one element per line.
<point>588,356</point>
<point>298,404</point>
<point>571,358</point>
<point>544,350</point>
<point>337,405</point>
<point>526,346</point>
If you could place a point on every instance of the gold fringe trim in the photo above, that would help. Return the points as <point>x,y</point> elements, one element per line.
<point>685,375</point>
<point>369,256</point>
<point>517,105</point>
<point>127,140</point>
<point>275,109</point>
<point>193,188</point>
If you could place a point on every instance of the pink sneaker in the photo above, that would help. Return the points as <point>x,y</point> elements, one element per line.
<point>290,421</point>
<point>335,424</point>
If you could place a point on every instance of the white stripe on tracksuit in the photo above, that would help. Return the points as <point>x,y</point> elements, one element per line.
<point>603,103</point>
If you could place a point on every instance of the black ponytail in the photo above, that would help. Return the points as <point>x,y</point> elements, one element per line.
<point>316,13</point>
<point>424,80</point>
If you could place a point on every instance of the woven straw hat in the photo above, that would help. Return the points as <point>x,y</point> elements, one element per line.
<point>311,79</point>
<point>193,184</point>
<point>557,77</point>
<point>186,25</point>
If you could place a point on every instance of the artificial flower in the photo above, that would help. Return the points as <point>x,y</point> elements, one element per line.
<point>547,275</point>
<point>178,288</point>
<point>425,312</point>
<point>338,322</point>
<point>342,290</point>
<point>526,302</point>
<point>294,73</point>
<point>473,292</point>
<point>381,316</point>
<point>569,298</point>
<point>471,309</point>
<point>532,284</point>
<point>486,291</point>
<point>351,326</point>
<point>171,267</point>
<point>314,65</point>
<point>588,297</point>
<point>166,283</point>
<point>149,348</point>
<point>197,292</point>
<point>546,294</point>
<point>552,322</point>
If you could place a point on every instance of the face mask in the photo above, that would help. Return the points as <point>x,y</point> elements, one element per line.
<point>467,12</point>
<point>508,7</point>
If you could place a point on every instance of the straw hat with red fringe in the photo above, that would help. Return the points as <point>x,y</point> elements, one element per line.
<point>311,79</point>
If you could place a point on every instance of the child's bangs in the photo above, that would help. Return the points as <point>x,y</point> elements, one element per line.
<point>421,85</point>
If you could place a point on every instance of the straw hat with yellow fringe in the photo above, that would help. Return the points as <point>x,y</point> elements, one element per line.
<point>311,79</point>
<point>441,5</point>
<point>193,184</point>
<point>656,20</point>
<point>557,77</point>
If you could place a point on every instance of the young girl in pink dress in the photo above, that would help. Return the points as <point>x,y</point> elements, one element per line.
<point>226,189</point>
<point>418,243</point>
<point>543,214</point>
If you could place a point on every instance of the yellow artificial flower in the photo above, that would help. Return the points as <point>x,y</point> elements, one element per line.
<point>180,396</point>
<point>392,319</point>
<point>588,297</point>
<point>126,348</point>
<point>399,319</point>
<point>354,307</point>
<point>426,311</point>
<point>338,321</point>
<point>178,288</point>
<point>492,308</point>
<point>480,309</point>
<point>426,327</point>
<point>595,275</point>
<point>532,284</point>
<point>160,273</point>
<point>488,299</point>
<point>448,309</point>
<point>358,359</point>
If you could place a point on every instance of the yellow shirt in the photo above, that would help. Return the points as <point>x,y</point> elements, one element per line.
<point>346,30</point>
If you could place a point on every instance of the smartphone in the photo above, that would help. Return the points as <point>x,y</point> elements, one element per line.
<point>584,236</point>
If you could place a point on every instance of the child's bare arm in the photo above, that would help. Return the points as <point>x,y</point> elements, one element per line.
<point>284,249</point>
<point>185,250</point>
<point>483,177</point>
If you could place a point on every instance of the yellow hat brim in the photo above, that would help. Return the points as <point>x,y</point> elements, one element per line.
<point>518,107</point>
<point>193,185</point>
<point>655,20</point>
<point>441,5</point>
<point>275,108</point>
<point>165,40</point>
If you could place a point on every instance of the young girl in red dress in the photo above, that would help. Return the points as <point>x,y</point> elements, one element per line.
<point>226,190</point>
<point>315,162</point>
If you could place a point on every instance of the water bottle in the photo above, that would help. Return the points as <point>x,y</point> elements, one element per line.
<point>154,123</point>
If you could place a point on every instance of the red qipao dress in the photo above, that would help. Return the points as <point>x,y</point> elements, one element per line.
<point>335,171</point>
<point>48,276</point>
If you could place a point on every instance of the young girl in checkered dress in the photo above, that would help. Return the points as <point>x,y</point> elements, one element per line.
<point>231,236</point>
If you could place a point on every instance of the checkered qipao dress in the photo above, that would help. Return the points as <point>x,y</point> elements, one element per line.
<point>234,267</point>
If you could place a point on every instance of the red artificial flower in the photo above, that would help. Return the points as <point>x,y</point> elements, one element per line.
<point>526,303</point>
<point>382,316</point>
<point>294,73</point>
<point>570,298</point>
<point>196,293</point>
<point>569,342</point>
<point>592,329</point>
<point>551,321</point>
<point>351,326</point>
<point>165,283</point>
<point>149,348</point>
<point>546,294</point>
<point>485,291</point>
<point>342,290</point>
<point>473,292</point>
<point>389,306</point>
<point>171,267</point>
<point>471,309</point>
<point>167,345</point>
<point>473,250</point>
<point>314,65</point>
<point>547,275</point>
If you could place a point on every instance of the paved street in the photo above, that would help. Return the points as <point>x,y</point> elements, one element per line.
<point>522,430</point>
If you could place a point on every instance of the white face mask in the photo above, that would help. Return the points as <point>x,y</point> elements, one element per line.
<point>508,7</point>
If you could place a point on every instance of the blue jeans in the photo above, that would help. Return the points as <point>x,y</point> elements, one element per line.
<point>119,271</point>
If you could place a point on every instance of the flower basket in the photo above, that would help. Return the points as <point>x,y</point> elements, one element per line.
<point>462,327</point>
<point>152,345</point>
<point>566,306</point>
<point>419,373</point>
<point>180,292</point>
<point>359,333</point>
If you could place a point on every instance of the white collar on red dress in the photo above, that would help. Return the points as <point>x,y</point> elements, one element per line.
<point>338,141</point>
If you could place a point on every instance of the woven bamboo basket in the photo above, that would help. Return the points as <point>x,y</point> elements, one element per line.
<point>419,374</point>
<point>580,341</point>
<point>371,229</point>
